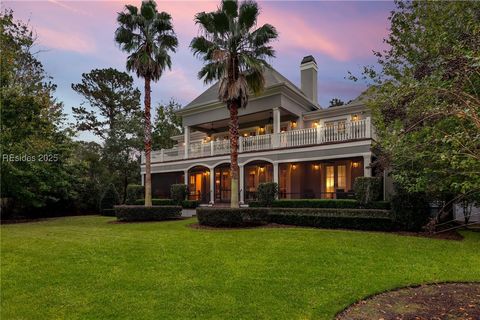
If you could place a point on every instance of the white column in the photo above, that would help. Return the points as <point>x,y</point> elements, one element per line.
<point>300,123</point>
<point>242,184</point>
<point>186,133</point>
<point>275,174</point>
<point>276,127</point>
<point>212,186</point>
<point>211,150</point>
<point>185,175</point>
<point>162,155</point>
<point>143,179</point>
<point>368,127</point>
<point>367,171</point>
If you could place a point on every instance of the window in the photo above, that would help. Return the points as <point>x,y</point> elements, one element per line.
<point>330,179</point>
<point>342,177</point>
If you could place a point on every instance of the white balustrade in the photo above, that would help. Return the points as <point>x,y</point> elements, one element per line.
<point>295,138</point>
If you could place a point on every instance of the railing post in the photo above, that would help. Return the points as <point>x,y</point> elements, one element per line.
<point>240,144</point>
<point>162,155</point>
<point>368,128</point>
<point>319,135</point>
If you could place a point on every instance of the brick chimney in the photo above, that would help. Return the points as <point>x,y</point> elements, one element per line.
<point>308,73</point>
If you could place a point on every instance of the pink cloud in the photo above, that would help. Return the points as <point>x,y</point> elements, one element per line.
<point>65,40</point>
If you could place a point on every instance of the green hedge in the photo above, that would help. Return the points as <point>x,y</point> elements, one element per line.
<point>232,217</point>
<point>360,219</point>
<point>267,192</point>
<point>142,213</point>
<point>134,191</point>
<point>108,212</point>
<point>367,189</point>
<point>323,203</point>
<point>186,204</point>
<point>178,192</point>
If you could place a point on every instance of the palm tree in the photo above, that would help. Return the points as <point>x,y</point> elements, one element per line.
<point>148,36</point>
<point>234,52</point>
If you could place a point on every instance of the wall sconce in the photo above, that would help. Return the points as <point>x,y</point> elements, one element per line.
<point>294,166</point>
<point>245,134</point>
<point>355,117</point>
<point>355,164</point>
<point>316,166</point>
<point>252,172</point>
<point>262,169</point>
<point>262,129</point>
<point>294,124</point>
<point>206,173</point>
<point>315,124</point>
<point>217,181</point>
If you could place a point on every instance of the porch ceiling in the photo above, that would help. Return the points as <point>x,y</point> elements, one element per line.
<point>246,121</point>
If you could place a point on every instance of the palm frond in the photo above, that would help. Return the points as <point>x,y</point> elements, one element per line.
<point>248,14</point>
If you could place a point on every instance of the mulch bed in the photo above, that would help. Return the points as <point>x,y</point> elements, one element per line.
<point>130,222</point>
<point>426,302</point>
<point>266,226</point>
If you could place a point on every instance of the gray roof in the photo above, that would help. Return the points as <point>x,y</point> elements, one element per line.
<point>308,59</point>
<point>272,78</point>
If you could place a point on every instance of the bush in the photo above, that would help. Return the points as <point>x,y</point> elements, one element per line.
<point>142,213</point>
<point>323,203</point>
<point>186,204</point>
<point>190,204</point>
<point>134,192</point>
<point>267,193</point>
<point>109,197</point>
<point>178,193</point>
<point>360,219</point>
<point>232,217</point>
<point>108,212</point>
<point>367,189</point>
<point>411,211</point>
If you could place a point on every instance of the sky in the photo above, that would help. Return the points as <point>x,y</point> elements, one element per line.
<point>78,36</point>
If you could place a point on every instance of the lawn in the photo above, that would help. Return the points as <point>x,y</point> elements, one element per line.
<point>88,268</point>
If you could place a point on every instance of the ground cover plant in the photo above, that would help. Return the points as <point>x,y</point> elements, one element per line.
<point>90,268</point>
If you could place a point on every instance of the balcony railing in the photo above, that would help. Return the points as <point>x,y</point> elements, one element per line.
<point>296,138</point>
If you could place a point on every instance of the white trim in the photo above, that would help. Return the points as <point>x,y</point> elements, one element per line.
<point>308,65</point>
<point>256,159</point>
<point>225,158</point>
<point>199,164</point>
<point>220,162</point>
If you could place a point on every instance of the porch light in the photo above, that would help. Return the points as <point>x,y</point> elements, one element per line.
<point>262,169</point>
<point>245,134</point>
<point>294,166</point>
<point>315,124</point>
<point>294,124</point>
<point>355,164</point>
<point>355,117</point>
<point>262,129</point>
<point>316,166</point>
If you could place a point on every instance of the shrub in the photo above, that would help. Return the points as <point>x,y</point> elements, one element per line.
<point>190,204</point>
<point>178,193</point>
<point>360,219</point>
<point>323,203</point>
<point>267,193</point>
<point>108,212</point>
<point>232,217</point>
<point>109,197</point>
<point>367,189</point>
<point>410,210</point>
<point>142,213</point>
<point>134,192</point>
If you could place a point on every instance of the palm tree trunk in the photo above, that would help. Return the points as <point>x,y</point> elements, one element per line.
<point>234,154</point>
<point>148,146</point>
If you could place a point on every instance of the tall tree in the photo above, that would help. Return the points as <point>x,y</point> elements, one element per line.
<point>148,36</point>
<point>35,144</point>
<point>166,125</point>
<point>234,52</point>
<point>113,114</point>
<point>426,98</point>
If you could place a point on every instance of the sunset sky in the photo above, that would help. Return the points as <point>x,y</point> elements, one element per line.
<point>77,36</point>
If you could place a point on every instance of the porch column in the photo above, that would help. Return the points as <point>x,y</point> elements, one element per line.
<point>275,173</point>
<point>367,171</point>
<point>186,131</point>
<point>242,184</point>
<point>185,177</point>
<point>212,186</point>
<point>300,123</point>
<point>143,179</point>
<point>276,127</point>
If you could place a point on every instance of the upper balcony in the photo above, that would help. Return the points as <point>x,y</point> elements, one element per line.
<point>332,133</point>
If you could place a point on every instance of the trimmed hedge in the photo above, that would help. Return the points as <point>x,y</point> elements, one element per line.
<point>323,203</point>
<point>178,193</point>
<point>367,189</point>
<point>142,213</point>
<point>410,210</point>
<point>108,212</point>
<point>360,219</point>
<point>267,192</point>
<point>232,217</point>
<point>186,204</point>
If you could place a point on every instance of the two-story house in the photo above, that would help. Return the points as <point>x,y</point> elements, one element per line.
<point>285,137</point>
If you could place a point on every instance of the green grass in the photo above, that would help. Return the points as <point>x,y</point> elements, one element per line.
<point>87,268</point>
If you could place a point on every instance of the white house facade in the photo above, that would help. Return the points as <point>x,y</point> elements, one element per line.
<point>285,137</point>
